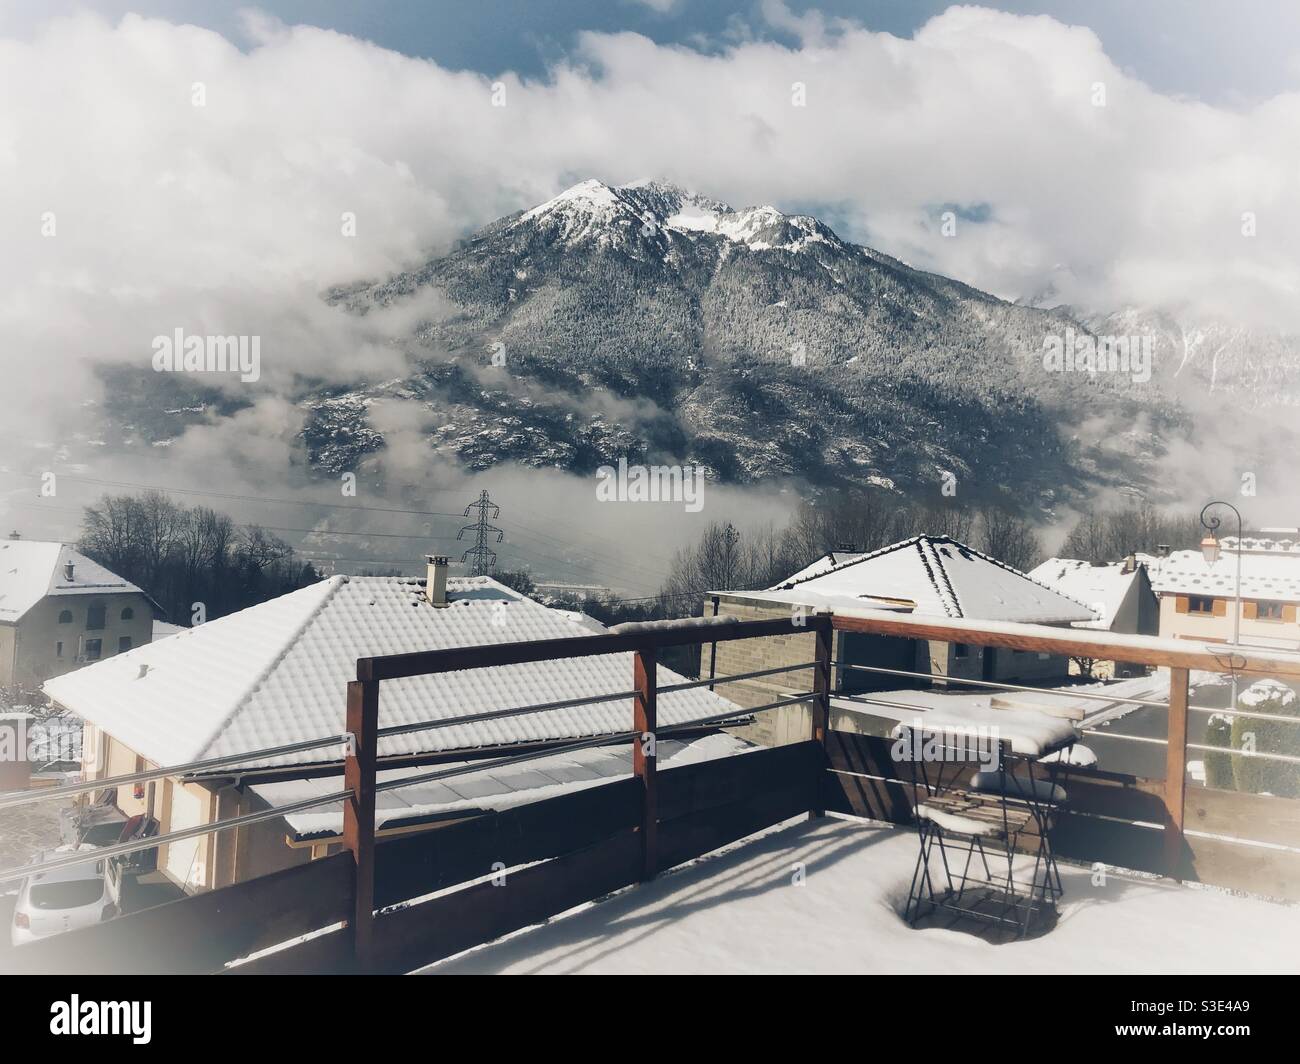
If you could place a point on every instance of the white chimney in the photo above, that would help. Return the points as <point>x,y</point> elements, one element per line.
<point>435,586</point>
<point>67,570</point>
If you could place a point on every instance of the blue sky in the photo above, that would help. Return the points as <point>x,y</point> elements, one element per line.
<point>1215,50</point>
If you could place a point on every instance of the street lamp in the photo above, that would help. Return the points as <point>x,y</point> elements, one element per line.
<point>1210,548</point>
<point>1212,552</point>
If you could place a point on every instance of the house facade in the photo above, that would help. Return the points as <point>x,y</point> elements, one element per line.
<point>59,610</point>
<point>1200,600</point>
<point>1120,595</point>
<point>276,674</point>
<point>930,575</point>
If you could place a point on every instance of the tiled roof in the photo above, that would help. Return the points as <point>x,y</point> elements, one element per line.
<point>944,577</point>
<point>31,570</point>
<point>1265,573</point>
<point>275,673</point>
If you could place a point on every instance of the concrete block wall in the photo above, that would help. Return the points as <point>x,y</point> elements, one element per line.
<point>775,727</point>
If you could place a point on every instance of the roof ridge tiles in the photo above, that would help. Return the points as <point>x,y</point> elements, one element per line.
<point>955,610</point>
<point>851,562</point>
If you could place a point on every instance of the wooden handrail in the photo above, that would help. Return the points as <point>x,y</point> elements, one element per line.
<point>1073,642</point>
<point>643,640</point>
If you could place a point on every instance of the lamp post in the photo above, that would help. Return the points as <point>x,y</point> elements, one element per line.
<point>1211,550</point>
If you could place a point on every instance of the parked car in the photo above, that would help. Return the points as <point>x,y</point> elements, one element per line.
<point>64,899</point>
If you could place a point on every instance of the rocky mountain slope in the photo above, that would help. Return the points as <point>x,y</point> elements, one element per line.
<point>649,322</point>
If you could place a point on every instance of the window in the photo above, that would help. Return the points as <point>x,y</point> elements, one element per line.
<point>123,644</point>
<point>1200,604</point>
<point>94,649</point>
<point>95,616</point>
<point>128,614</point>
<point>961,650</point>
<point>66,894</point>
<point>65,616</point>
<point>1268,611</point>
<point>58,649</point>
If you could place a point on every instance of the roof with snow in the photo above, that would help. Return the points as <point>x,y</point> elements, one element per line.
<point>942,576</point>
<point>31,570</point>
<point>826,562</point>
<point>276,673</point>
<point>1270,570</point>
<point>1102,587</point>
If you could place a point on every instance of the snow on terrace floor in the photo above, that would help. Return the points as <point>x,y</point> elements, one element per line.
<point>738,912</point>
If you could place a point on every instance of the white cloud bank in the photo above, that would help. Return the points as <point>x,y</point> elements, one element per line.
<point>228,217</point>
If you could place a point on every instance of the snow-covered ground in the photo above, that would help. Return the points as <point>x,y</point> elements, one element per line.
<point>741,912</point>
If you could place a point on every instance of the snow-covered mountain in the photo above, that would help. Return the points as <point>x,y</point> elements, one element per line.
<point>650,322</point>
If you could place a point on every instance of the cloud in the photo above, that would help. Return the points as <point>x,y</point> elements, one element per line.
<point>130,210</point>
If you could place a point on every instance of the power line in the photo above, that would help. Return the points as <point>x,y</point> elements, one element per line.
<point>244,498</point>
<point>480,551</point>
<point>282,501</point>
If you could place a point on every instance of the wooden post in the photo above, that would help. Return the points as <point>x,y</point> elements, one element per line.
<point>359,814</point>
<point>643,755</point>
<point>821,705</point>
<point>1176,773</point>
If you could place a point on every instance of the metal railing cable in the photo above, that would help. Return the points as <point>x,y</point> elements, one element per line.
<point>585,744</point>
<point>17,798</point>
<point>14,798</point>
<point>103,853</point>
<point>120,849</point>
<point>957,681</point>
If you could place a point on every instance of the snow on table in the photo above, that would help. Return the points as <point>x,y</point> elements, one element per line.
<point>1030,733</point>
<point>740,911</point>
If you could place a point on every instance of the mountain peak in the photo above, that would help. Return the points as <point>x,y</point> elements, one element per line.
<point>592,208</point>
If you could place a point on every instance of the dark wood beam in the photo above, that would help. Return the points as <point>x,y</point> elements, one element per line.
<point>359,814</point>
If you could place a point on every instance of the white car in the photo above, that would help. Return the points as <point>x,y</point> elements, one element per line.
<point>50,903</point>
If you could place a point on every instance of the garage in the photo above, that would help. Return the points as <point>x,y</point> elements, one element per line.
<point>185,859</point>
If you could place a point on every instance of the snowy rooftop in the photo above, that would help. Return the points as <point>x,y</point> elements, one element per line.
<point>31,570</point>
<point>1270,569</point>
<point>740,911</point>
<point>1102,587</point>
<point>276,673</point>
<point>941,576</point>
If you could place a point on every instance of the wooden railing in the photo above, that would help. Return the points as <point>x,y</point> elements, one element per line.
<point>1242,841</point>
<point>367,909</point>
<point>397,904</point>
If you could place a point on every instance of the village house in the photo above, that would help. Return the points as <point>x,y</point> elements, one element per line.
<point>59,610</point>
<point>1198,599</point>
<point>276,674</point>
<point>1118,593</point>
<point>930,575</point>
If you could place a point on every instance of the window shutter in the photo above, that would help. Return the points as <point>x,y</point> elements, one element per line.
<point>1220,607</point>
<point>1180,604</point>
<point>1250,610</point>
